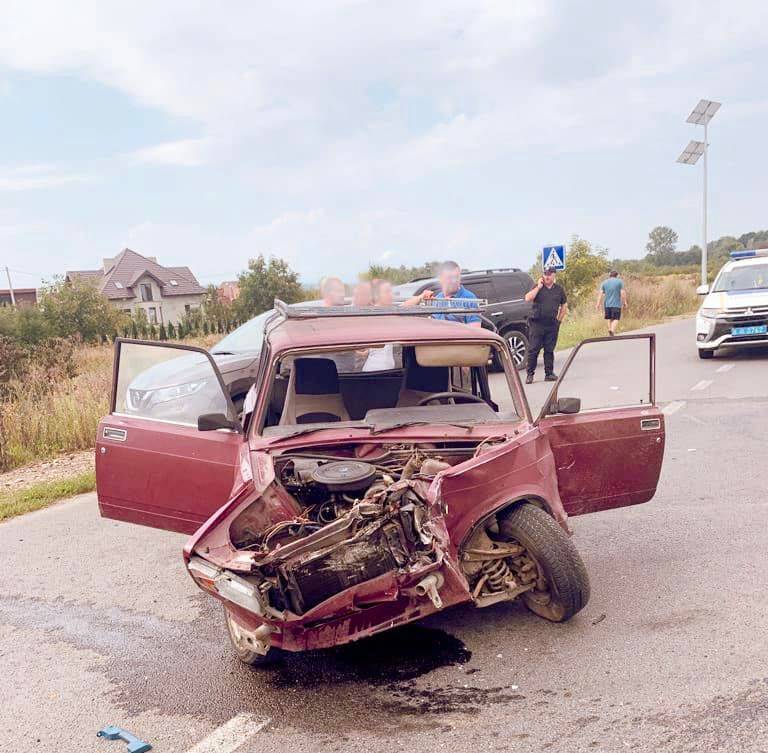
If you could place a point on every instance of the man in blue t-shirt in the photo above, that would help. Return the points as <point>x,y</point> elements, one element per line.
<point>449,278</point>
<point>613,298</point>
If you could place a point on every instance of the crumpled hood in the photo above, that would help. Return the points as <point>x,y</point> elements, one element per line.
<point>736,300</point>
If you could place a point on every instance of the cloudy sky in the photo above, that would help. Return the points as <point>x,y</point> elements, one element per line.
<point>335,133</point>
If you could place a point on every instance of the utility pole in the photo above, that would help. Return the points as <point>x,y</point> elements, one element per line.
<point>10,287</point>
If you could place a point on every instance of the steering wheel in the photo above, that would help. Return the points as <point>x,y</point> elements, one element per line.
<point>450,398</point>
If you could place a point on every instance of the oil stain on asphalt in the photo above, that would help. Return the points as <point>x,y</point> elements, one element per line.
<point>188,668</point>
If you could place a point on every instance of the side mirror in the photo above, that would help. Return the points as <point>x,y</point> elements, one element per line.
<point>568,405</point>
<point>702,290</point>
<point>213,421</point>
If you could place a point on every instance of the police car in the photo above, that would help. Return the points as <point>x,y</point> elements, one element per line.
<point>734,312</point>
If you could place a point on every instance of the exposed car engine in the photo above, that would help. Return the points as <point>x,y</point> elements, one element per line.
<point>358,520</point>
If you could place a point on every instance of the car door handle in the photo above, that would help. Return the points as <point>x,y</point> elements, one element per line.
<point>497,313</point>
<point>110,432</point>
<point>650,424</point>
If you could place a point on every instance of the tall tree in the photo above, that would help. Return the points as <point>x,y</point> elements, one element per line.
<point>263,281</point>
<point>662,243</point>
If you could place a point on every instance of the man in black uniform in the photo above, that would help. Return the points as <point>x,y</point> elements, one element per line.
<point>550,307</point>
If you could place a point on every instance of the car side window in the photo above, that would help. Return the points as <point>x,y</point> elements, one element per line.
<point>482,288</point>
<point>611,373</point>
<point>166,383</point>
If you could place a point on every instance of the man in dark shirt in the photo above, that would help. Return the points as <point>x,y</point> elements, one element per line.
<point>550,306</point>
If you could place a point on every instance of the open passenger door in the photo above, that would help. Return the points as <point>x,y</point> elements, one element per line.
<point>154,466</point>
<point>608,439</point>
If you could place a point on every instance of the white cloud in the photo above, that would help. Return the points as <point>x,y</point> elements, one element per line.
<point>379,117</point>
<point>319,242</point>
<point>185,152</point>
<point>35,177</point>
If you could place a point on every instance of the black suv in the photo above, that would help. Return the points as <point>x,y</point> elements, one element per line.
<point>504,290</point>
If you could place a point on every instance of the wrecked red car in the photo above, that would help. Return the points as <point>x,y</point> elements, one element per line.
<point>378,471</point>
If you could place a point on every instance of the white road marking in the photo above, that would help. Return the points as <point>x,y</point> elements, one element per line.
<point>231,735</point>
<point>673,407</point>
<point>725,367</point>
<point>702,385</point>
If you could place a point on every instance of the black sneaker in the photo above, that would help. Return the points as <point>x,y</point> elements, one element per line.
<point>529,379</point>
<point>550,378</point>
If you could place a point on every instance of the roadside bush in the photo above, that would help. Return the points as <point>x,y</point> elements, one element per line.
<point>14,359</point>
<point>586,264</point>
<point>78,309</point>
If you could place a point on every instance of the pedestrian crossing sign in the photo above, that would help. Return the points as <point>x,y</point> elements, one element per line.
<point>553,256</point>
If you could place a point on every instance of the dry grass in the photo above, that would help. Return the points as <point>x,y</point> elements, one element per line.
<point>39,420</point>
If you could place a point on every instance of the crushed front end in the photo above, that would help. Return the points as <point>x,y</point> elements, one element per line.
<point>336,548</point>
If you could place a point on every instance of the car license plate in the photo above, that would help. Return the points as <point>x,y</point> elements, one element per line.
<point>761,329</point>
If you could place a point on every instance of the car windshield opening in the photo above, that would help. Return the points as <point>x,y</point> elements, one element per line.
<point>748,277</point>
<point>388,385</point>
<point>246,338</point>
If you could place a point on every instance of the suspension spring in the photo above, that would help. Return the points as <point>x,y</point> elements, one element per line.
<point>497,573</point>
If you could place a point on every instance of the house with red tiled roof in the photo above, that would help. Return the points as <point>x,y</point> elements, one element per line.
<point>229,291</point>
<point>131,281</point>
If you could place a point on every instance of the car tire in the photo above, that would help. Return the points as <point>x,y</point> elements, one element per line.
<point>706,353</point>
<point>518,347</point>
<point>547,544</point>
<point>242,651</point>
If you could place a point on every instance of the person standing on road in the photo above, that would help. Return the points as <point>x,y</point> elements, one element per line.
<point>550,307</point>
<point>613,298</point>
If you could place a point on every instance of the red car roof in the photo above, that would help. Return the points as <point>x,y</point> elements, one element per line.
<point>350,330</point>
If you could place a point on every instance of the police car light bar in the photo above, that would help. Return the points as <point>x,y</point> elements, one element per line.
<point>749,253</point>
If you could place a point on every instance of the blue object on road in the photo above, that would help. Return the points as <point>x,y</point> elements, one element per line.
<point>553,256</point>
<point>116,733</point>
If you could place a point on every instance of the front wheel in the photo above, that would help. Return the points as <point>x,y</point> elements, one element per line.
<point>518,347</point>
<point>562,585</point>
<point>241,646</point>
<point>706,353</point>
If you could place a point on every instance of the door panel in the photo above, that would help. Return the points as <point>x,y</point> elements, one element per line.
<point>153,466</point>
<point>606,459</point>
<point>611,454</point>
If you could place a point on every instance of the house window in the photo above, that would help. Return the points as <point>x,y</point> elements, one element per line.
<point>152,312</point>
<point>187,307</point>
<point>146,291</point>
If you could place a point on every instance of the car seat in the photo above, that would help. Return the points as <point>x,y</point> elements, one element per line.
<point>313,395</point>
<point>420,381</point>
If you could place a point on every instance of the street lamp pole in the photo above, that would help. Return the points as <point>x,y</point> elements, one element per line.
<point>704,247</point>
<point>701,115</point>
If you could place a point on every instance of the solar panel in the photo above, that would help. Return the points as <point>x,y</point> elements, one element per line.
<point>703,112</point>
<point>690,155</point>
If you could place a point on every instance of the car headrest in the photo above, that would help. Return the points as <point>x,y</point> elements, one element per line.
<point>316,376</point>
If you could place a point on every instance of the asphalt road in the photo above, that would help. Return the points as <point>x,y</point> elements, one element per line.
<point>100,625</point>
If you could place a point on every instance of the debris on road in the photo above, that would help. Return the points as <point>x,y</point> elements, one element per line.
<point>135,745</point>
<point>599,619</point>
